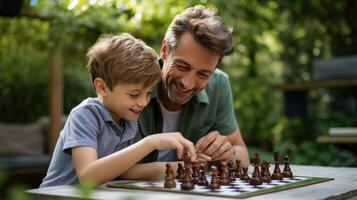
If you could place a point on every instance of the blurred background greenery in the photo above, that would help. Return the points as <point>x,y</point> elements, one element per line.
<point>276,42</point>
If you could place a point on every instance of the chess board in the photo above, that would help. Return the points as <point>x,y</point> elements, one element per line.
<point>237,189</point>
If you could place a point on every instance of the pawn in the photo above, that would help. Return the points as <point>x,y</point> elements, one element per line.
<point>238,173</point>
<point>245,176</point>
<point>214,184</point>
<point>287,171</point>
<point>169,178</point>
<point>277,175</point>
<point>231,171</point>
<point>187,183</point>
<point>180,172</point>
<point>202,176</point>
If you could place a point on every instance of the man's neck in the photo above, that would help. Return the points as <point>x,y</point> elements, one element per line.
<point>165,100</point>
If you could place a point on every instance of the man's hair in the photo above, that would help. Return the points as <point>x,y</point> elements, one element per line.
<point>206,28</point>
<point>123,59</point>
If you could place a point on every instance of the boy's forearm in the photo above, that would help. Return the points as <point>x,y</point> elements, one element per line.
<point>148,171</point>
<point>112,166</point>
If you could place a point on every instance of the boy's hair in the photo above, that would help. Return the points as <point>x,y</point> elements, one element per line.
<point>206,28</point>
<point>123,59</point>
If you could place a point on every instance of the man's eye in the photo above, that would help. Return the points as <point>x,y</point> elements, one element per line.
<point>203,75</point>
<point>133,95</point>
<point>181,68</point>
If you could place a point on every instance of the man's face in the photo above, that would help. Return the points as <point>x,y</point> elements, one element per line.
<point>186,69</point>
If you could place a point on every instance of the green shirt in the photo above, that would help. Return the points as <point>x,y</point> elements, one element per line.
<point>209,110</point>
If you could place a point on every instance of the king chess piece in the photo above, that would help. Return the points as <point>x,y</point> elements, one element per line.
<point>256,178</point>
<point>287,171</point>
<point>277,175</point>
<point>169,178</point>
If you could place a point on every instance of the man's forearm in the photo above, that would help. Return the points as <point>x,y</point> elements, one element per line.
<point>241,153</point>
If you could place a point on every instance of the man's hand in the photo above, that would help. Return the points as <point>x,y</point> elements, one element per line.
<point>216,146</point>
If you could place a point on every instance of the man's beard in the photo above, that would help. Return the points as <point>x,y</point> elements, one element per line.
<point>175,100</point>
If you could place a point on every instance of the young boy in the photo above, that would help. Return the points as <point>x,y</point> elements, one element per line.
<point>95,144</point>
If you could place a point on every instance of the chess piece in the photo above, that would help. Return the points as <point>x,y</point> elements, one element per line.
<point>238,173</point>
<point>195,172</point>
<point>180,172</point>
<point>256,178</point>
<point>231,174</point>
<point>214,184</point>
<point>245,176</point>
<point>187,183</point>
<point>265,173</point>
<point>223,178</point>
<point>169,178</point>
<point>277,175</point>
<point>202,176</point>
<point>287,171</point>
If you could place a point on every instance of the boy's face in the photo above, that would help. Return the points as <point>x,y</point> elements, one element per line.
<point>187,69</point>
<point>126,101</point>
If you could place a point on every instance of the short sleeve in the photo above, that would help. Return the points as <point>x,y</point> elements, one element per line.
<point>225,122</point>
<point>82,129</point>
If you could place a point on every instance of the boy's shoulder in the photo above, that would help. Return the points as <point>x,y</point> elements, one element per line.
<point>90,108</point>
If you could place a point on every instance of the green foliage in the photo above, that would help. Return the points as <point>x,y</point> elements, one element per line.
<point>275,42</point>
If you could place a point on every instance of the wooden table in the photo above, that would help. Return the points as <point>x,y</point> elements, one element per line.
<point>343,186</point>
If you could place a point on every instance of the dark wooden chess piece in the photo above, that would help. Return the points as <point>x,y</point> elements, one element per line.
<point>195,172</point>
<point>277,175</point>
<point>202,176</point>
<point>265,173</point>
<point>180,172</point>
<point>187,183</point>
<point>231,174</point>
<point>223,178</point>
<point>214,184</point>
<point>245,176</point>
<point>287,171</point>
<point>238,173</point>
<point>169,178</point>
<point>256,178</point>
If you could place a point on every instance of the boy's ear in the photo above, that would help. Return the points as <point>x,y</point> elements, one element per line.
<point>100,86</point>
<point>163,50</point>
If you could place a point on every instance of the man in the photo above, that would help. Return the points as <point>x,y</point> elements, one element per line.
<point>194,97</point>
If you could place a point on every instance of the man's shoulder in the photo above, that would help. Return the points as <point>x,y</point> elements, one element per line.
<point>218,80</point>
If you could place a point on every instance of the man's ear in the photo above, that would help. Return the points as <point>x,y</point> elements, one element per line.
<point>163,50</point>
<point>100,87</point>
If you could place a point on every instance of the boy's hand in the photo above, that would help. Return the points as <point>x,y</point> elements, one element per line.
<point>173,140</point>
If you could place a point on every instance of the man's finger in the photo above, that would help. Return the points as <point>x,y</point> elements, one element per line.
<point>203,143</point>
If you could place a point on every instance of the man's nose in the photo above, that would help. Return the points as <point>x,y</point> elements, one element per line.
<point>188,81</point>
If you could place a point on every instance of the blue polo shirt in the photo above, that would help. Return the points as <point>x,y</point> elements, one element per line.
<point>91,125</point>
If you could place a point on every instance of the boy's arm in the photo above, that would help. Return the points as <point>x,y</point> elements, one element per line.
<point>148,171</point>
<point>98,171</point>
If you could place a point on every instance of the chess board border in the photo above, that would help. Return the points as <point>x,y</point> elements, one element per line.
<point>126,184</point>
